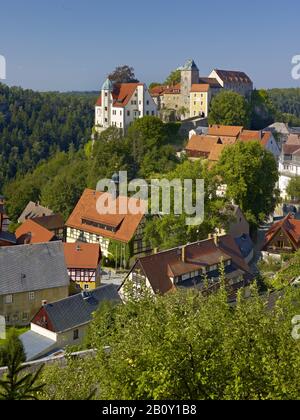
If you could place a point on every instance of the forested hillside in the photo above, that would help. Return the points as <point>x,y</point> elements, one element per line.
<point>34,126</point>
<point>286,101</point>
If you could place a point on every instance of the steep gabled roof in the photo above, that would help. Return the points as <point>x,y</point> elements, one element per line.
<point>124,225</point>
<point>230,76</point>
<point>29,268</point>
<point>51,222</point>
<point>225,131</point>
<point>78,310</point>
<point>158,268</point>
<point>31,232</point>
<point>82,255</point>
<point>121,94</point>
<point>33,210</point>
<point>289,226</point>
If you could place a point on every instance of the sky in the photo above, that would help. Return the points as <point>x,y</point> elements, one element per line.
<point>65,45</point>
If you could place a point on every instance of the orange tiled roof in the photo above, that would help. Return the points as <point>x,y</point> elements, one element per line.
<point>82,255</point>
<point>33,233</point>
<point>200,88</point>
<point>216,152</point>
<point>125,224</point>
<point>290,226</point>
<point>201,143</point>
<point>226,131</point>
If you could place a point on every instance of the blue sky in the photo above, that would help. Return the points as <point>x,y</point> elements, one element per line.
<point>73,44</point>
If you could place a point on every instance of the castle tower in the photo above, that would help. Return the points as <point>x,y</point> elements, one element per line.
<point>189,76</point>
<point>106,92</point>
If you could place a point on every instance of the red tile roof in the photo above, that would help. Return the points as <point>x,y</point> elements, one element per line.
<point>224,130</point>
<point>125,224</point>
<point>122,94</point>
<point>33,233</point>
<point>82,255</point>
<point>231,76</point>
<point>290,226</point>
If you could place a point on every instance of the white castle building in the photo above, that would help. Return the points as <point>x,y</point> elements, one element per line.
<point>119,105</point>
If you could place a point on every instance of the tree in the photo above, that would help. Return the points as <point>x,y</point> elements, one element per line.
<point>186,346</point>
<point>174,78</point>
<point>123,74</point>
<point>293,189</point>
<point>153,85</point>
<point>250,173</point>
<point>263,112</point>
<point>229,108</point>
<point>16,385</point>
<point>171,230</point>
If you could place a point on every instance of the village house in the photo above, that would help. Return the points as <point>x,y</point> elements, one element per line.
<point>41,229</point>
<point>119,105</point>
<point>119,235</point>
<point>211,145</point>
<point>65,322</point>
<point>83,262</point>
<point>6,238</point>
<point>289,165</point>
<point>188,267</point>
<point>29,275</point>
<point>282,238</point>
<point>33,210</point>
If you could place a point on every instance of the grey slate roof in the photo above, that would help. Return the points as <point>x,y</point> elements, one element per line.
<point>77,310</point>
<point>8,237</point>
<point>36,345</point>
<point>33,210</point>
<point>28,268</point>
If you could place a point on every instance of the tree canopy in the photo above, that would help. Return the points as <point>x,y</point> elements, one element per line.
<point>185,346</point>
<point>293,189</point>
<point>123,74</point>
<point>229,108</point>
<point>251,174</point>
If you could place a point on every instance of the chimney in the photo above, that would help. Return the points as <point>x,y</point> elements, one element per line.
<point>216,239</point>
<point>78,249</point>
<point>155,251</point>
<point>44,303</point>
<point>183,253</point>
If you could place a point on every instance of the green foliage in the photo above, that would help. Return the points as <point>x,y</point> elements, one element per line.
<point>123,74</point>
<point>290,271</point>
<point>186,346</point>
<point>229,108</point>
<point>286,101</point>
<point>16,384</point>
<point>293,189</point>
<point>263,112</point>
<point>173,78</point>
<point>171,230</point>
<point>34,126</point>
<point>250,173</point>
<point>59,182</point>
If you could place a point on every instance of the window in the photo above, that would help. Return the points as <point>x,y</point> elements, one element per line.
<point>75,335</point>
<point>86,287</point>
<point>147,112</point>
<point>106,94</point>
<point>8,299</point>
<point>31,295</point>
<point>25,317</point>
<point>148,102</point>
<point>106,108</point>
<point>152,113</point>
<point>128,113</point>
